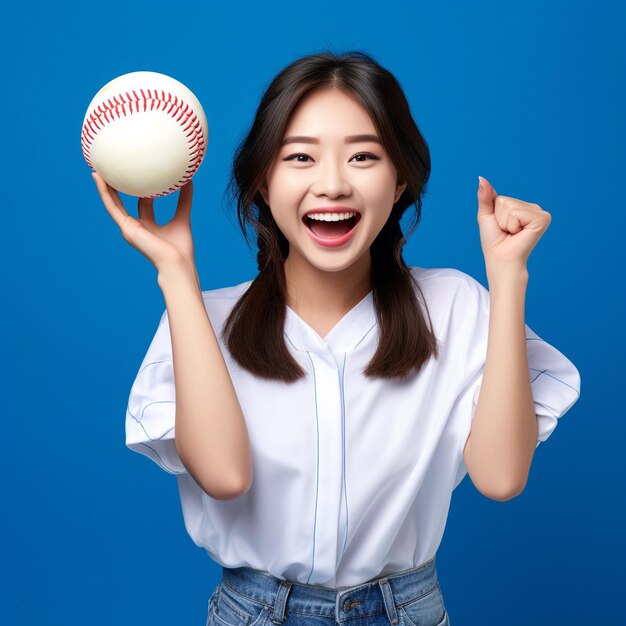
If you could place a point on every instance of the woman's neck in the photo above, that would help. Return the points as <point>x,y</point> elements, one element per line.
<point>321,294</point>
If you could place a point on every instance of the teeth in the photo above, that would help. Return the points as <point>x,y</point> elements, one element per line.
<point>331,217</point>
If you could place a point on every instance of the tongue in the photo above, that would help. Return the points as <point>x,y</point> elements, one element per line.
<point>330,230</point>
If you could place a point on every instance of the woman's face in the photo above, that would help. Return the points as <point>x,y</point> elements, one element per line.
<point>324,168</point>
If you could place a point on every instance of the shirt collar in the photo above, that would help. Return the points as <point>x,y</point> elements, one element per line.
<point>343,337</point>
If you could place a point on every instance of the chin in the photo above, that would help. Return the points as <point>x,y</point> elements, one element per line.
<point>334,261</point>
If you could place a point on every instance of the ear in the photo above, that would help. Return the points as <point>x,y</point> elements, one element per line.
<point>400,187</point>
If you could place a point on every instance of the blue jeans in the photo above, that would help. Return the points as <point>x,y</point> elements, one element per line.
<point>250,597</point>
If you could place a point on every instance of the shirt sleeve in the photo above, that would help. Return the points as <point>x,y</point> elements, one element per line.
<point>150,416</point>
<point>555,381</point>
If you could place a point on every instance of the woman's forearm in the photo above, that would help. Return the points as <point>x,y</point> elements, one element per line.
<point>504,428</point>
<point>211,434</point>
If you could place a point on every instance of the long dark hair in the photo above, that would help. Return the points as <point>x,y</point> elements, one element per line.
<point>254,330</point>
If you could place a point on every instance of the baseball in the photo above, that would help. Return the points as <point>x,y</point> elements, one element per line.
<point>145,133</point>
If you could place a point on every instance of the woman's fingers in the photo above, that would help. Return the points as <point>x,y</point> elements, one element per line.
<point>111,200</point>
<point>145,208</point>
<point>183,208</point>
<point>114,195</point>
<point>116,198</point>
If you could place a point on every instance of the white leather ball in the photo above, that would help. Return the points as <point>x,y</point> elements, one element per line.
<point>145,133</point>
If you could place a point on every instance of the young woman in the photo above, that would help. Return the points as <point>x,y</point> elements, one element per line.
<point>318,417</point>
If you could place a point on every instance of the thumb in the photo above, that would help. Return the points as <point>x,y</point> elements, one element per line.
<point>486,197</point>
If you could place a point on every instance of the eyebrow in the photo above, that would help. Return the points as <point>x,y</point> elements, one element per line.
<point>349,139</point>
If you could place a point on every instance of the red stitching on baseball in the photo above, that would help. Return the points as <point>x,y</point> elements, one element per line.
<point>179,109</point>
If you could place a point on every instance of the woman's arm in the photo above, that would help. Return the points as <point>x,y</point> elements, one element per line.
<point>499,451</point>
<point>211,434</point>
<point>503,438</point>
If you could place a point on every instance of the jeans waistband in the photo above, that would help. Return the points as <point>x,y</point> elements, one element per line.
<point>382,593</point>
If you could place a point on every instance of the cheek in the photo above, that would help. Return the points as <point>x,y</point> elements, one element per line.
<point>284,201</point>
<point>381,193</point>
<point>285,218</point>
<point>283,187</point>
<point>291,189</point>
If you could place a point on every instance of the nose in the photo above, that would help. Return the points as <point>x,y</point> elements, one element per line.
<point>331,181</point>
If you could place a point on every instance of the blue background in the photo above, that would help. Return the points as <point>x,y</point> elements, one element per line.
<point>528,94</point>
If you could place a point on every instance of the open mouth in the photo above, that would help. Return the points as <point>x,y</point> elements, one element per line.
<point>331,229</point>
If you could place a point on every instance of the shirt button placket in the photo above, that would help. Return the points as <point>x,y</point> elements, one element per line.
<point>329,466</point>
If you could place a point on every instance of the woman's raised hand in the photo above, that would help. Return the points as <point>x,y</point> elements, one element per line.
<point>170,244</point>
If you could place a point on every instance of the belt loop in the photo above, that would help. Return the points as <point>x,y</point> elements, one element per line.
<point>278,611</point>
<point>388,599</point>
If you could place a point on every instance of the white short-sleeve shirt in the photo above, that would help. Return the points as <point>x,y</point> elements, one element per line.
<point>352,477</point>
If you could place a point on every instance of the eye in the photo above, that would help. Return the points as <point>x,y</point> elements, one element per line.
<point>366,154</point>
<point>291,157</point>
